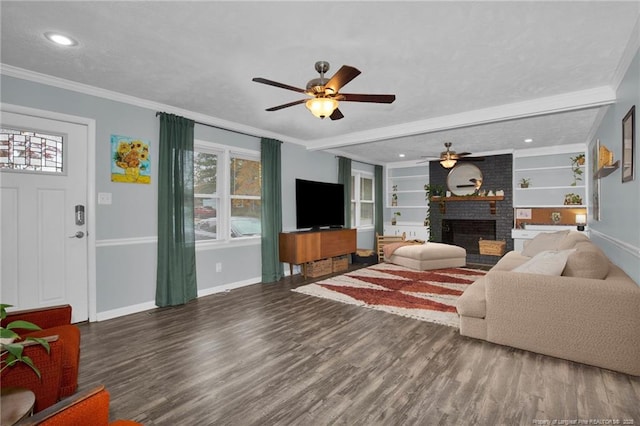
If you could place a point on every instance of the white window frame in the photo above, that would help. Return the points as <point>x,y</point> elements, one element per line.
<point>223,174</point>
<point>357,175</point>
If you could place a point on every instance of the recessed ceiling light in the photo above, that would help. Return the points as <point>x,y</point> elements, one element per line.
<point>60,39</point>
<point>528,140</point>
<point>401,155</point>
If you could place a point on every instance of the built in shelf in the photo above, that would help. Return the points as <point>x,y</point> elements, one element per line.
<point>490,199</point>
<point>607,170</point>
<point>469,198</point>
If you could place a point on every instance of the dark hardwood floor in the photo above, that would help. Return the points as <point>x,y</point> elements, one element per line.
<point>264,355</point>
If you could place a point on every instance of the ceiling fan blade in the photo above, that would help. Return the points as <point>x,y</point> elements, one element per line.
<point>336,115</point>
<point>342,77</point>
<point>276,108</point>
<point>471,159</point>
<point>276,84</point>
<point>358,97</point>
<point>462,154</point>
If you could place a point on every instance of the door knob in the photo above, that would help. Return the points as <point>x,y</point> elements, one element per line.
<point>78,234</point>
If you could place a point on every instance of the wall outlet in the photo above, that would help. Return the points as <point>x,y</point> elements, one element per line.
<point>218,267</point>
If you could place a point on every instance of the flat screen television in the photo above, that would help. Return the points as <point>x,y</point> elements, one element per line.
<point>319,204</point>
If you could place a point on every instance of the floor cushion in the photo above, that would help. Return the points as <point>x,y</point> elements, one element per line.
<point>429,256</point>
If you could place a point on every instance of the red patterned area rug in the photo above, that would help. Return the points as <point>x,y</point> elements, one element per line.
<point>423,295</point>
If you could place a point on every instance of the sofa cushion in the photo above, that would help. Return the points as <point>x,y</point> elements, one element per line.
<point>544,241</point>
<point>587,261</point>
<point>430,251</point>
<point>510,261</point>
<point>548,262</point>
<point>571,239</point>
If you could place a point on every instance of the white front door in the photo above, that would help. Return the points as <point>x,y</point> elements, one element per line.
<point>44,247</point>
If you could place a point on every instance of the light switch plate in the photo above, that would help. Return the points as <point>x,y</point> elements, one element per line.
<point>104,198</point>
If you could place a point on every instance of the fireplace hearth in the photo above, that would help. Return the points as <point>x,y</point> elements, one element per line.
<point>467,232</point>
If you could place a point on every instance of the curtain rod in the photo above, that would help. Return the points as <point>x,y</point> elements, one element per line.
<point>216,127</point>
<point>358,161</point>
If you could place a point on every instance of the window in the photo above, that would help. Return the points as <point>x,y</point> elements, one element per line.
<point>362,199</point>
<point>35,152</point>
<point>227,193</point>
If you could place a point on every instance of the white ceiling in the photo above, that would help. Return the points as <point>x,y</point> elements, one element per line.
<point>484,75</point>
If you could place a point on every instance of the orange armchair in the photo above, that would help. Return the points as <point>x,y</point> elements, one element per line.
<point>59,368</point>
<point>85,408</point>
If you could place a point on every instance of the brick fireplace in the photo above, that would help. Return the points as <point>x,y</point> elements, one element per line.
<point>466,233</point>
<point>496,171</point>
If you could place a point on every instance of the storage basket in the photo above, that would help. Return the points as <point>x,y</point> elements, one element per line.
<point>340,263</point>
<point>319,267</point>
<point>491,247</point>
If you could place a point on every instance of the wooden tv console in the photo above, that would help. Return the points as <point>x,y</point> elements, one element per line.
<point>298,248</point>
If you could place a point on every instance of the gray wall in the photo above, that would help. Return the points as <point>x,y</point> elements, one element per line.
<point>126,230</point>
<point>618,230</point>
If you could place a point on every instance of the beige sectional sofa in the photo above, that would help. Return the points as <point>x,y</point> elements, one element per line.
<point>589,314</point>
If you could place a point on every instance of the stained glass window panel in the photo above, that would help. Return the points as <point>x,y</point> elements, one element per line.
<point>30,151</point>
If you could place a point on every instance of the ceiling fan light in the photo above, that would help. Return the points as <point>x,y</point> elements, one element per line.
<point>322,107</point>
<point>448,163</point>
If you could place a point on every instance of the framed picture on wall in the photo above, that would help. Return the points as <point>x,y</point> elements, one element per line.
<point>628,144</point>
<point>130,162</point>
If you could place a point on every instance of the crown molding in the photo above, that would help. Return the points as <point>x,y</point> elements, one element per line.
<point>550,150</point>
<point>630,51</point>
<point>86,89</point>
<point>573,101</point>
<point>602,112</point>
<point>599,96</point>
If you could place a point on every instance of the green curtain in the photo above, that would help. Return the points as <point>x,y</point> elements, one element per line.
<point>344,177</point>
<point>176,265</point>
<point>379,201</point>
<point>272,269</point>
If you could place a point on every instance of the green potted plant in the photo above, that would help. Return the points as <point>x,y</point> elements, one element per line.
<point>394,196</point>
<point>524,182</point>
<point>572,199</point>
<point>394,218</point>
<point>433,191</point>
<point>578,159</point>
<point>576,169</point>
<point>11,347</point>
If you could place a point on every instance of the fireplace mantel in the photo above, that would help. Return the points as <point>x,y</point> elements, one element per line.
<point>490,199</point>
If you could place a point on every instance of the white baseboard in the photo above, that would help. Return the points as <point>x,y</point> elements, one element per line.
<point>127,310</point>
<point>146,306</point>
<point>228,287</point>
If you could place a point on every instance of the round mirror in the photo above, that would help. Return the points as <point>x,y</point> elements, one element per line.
<point>464,179</point>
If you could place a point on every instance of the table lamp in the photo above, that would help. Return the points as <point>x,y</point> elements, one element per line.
<point>581,220</point>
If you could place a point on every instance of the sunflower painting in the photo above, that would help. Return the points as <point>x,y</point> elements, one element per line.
<point>130,160</point>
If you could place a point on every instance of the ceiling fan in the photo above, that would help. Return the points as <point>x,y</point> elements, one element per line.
<point>325,94</point>
<point>449,158</point>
